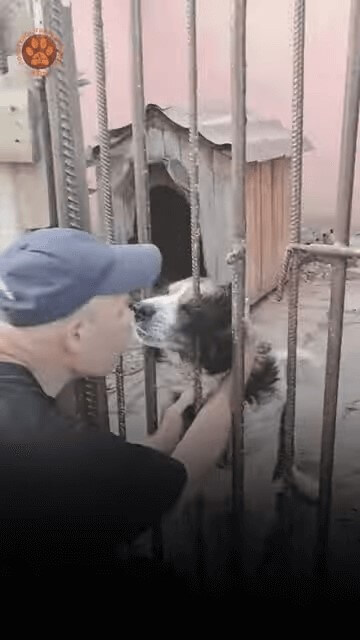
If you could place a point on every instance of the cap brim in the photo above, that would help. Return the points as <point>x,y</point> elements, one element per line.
<point>136,266</point>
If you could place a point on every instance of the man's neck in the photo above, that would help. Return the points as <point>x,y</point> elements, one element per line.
<point>52,383</point>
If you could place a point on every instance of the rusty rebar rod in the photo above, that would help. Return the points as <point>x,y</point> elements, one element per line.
<point>296,173</point>
<point>336,311</point>
<point>194,172</point>
<point>142,187</point>
<point>105,175</point>
<point>237,258</point>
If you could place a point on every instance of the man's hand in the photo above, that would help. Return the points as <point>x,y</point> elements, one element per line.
<point>186,399</point>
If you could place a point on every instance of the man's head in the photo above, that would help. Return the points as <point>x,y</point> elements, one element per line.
<point>64,299</point>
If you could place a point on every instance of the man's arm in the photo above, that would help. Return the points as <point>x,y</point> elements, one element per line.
<point>206,440</point>
<point>207,437</point>
<point>169,432</point>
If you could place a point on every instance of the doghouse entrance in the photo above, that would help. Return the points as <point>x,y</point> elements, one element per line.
<point>171,232</point>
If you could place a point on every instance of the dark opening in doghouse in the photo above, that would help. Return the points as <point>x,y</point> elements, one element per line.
<point>171,232</point>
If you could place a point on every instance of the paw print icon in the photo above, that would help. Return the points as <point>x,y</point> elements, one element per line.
<point>39,51</point>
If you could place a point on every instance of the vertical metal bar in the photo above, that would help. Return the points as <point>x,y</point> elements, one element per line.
<point>296,175</point>
<point>70,174</point>
<point>194,172</point>
<point>238,256</point>
<point>38,19</point>
<point>191,7</point>
<point>143,217</point>
<point>194,144</point>
<point>336,311</point>
<point>142,187</point>
<point>104,174</point>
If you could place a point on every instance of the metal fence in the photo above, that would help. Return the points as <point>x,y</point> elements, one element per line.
<point>68,183</point>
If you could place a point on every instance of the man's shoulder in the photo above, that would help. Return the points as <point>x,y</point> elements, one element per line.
<point>25,410</point>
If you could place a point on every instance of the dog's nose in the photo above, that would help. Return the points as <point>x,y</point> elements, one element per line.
<point>143,311</point>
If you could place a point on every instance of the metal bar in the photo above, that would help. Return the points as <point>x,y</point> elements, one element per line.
<point>104,174</point>
<point>238,258</point>
<point>295,223</point>
<point>70,175</point>
<point>336,311</point>
<point>38,20</point>
<point>331,251</point>
<point>191,27</point>
<point>143,217</point>
<point>142,188</point>
<point>194,174</point>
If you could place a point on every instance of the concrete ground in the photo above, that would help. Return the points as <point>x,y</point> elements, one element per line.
<point>276,537</point>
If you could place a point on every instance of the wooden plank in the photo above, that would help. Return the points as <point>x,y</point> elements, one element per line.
<point>221,218</point>
<point>155,145</point>
<point>171,144</point>
<point>279,213</point>
<point>258,248</point>
<point>251,234</point>
<point>266,227</point>
<point>208,214</point>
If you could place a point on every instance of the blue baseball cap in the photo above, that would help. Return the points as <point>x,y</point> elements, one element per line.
<point>48,274</point>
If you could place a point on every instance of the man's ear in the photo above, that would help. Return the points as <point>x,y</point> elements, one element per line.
<point>73,332</point>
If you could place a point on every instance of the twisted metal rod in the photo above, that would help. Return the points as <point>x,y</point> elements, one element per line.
<point>194,175</point>
<point>295,224</point>
<point>104,174</point>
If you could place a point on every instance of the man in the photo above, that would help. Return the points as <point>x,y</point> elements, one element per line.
<point>65,315</point>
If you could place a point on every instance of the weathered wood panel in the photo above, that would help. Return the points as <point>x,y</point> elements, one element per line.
<point>280,211</point>
<point>208,215</point>
<point>155,145</point>
<point>222,215</point>
<point>254,256</point>
<point>171,144</point>
<point>266,234</point>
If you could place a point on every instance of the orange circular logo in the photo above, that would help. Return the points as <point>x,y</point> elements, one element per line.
<point>39,51</point>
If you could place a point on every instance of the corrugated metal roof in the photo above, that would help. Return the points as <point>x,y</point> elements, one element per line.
<point>266,139</point>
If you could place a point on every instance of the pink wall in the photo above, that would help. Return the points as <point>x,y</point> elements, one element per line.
<point>269,72</point>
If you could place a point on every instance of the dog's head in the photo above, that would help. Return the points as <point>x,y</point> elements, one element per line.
<point>175,321</point>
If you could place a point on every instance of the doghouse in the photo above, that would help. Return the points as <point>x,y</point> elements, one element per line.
<point>267,193</point>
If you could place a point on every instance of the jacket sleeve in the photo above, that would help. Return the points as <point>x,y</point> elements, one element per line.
<point>96,481</point>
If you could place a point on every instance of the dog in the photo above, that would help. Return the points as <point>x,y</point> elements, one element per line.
<point>179,328</point>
